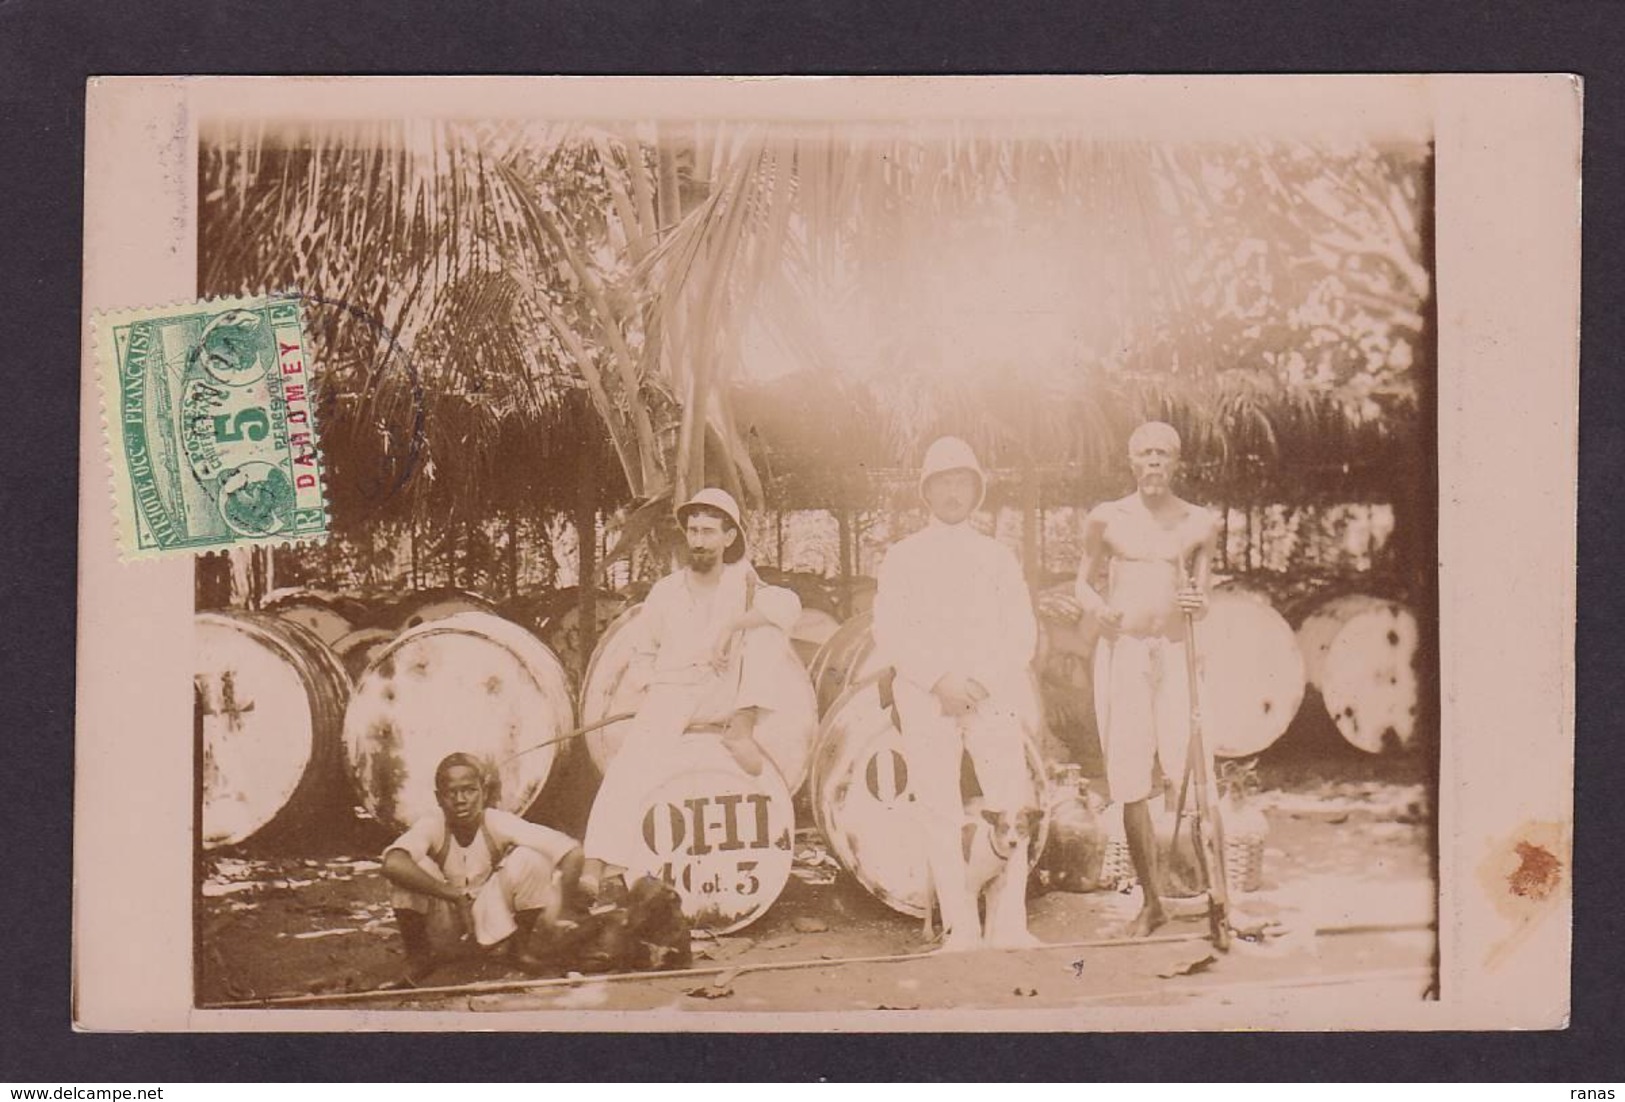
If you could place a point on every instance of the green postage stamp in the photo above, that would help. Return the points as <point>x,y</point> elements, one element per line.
<point>211,428</point>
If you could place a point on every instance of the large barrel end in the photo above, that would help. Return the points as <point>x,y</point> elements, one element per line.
<point>466,683</point>
<point>269,699</point>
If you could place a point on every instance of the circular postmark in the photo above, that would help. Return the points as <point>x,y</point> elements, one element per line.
<point>256,499</point>
<point>371,406</point>
<point>231,348</point>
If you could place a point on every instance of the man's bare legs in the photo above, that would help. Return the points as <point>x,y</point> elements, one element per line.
<point>1142,851</point>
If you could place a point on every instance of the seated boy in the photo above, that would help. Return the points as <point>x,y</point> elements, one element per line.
<point>472,871</point>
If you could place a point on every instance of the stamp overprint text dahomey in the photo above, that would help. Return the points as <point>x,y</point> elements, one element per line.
<point>211,427</point>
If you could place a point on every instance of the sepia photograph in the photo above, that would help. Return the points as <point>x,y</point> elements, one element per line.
<point>835,564</point>
<point>839,565</point>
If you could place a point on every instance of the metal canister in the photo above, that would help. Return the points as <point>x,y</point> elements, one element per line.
<point>1076,852</point>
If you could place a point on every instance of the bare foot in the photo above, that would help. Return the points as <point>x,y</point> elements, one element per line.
<point>1015,939</point>
<point>1150,917</point>
<point>416,973</point>
<point>960,943</point>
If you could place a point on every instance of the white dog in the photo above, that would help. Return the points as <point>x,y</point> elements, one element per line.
<point>996,845</point>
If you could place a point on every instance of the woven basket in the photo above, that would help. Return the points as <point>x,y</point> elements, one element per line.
<point>1116,869</point>
<point>1244,863</point>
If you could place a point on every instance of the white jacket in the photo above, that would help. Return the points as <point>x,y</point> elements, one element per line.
<point>952,600</point>
<point>673,635</point>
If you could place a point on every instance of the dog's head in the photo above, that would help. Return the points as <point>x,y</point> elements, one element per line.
<point>1005,828</point>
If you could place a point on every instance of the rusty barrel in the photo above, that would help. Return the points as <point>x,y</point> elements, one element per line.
<point>270,697</point>
<point>846,658</point>
<point>1324,619</point>
<point>358,649</point>
<point>785,732</point>
<point>424,605</point>
<point>813,628</point>
<point>862,798</point>
<point>559,624</point>
<point>325,615</point>
<point>1252,673</point>
<point>1360,653</point>
<point>472,683</point>
<point>719,836</point>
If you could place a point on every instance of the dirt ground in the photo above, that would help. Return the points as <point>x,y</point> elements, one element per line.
<point>1351,853</point>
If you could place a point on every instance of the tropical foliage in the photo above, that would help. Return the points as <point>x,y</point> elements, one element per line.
<point>785,310</point>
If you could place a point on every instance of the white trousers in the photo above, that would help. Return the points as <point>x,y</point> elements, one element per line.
<point>933,747</point>
<point>523,881</point>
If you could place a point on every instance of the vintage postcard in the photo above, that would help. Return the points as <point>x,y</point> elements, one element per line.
<point>871,554</point>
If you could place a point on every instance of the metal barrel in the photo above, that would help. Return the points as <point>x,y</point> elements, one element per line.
<point>813,628</point>
<point>862,799</point>
<point>424,605</point>
<point>1322,622</point>
<point>560,626</point>
<point>1361,652</point>
<point>846,658</point>
<point>357,649</point>
<point>720,837</point>
<point>327,617</point>
<point>271,698</point>
<point>471,683</point>
<point>785,732</point>
<point>1252,673</point>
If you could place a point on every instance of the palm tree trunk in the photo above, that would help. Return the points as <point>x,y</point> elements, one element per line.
<point>843,532</point>
<point>1252,538</point>
<point>513,553</point>
<point>412,547</point>
<point>586,521</point>
<point>1043,541</point>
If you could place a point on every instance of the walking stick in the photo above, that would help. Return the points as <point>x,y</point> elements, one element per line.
<point>584,729</point>
<point>1207,830</point>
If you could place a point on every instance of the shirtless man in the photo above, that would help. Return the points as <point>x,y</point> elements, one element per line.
<point>1154,550</point>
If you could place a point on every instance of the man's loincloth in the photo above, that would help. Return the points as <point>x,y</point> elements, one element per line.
<point>1142,704</point>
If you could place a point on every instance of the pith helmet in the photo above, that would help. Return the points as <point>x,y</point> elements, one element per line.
<point>950,453</point>
<point>723,502</point>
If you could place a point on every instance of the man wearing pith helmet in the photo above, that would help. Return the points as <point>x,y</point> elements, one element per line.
<point>954,617</point>
<point>1145,567</point>
<point>696,647</point>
